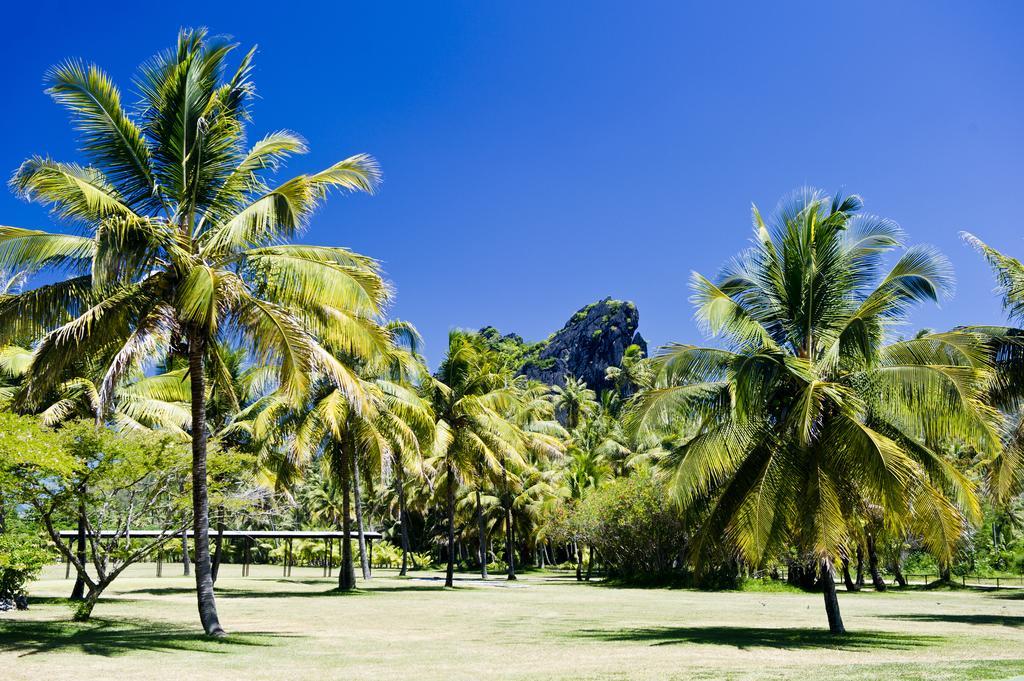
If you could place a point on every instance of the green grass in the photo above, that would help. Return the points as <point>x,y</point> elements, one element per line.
<point>546,626</point>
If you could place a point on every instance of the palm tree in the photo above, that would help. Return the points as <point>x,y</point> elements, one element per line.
<point>390,416</point>
<point>469,395</point>
<point>1006,470</point>
<point>183,237</point>
<point>808,412</point>
<point>574,400</point>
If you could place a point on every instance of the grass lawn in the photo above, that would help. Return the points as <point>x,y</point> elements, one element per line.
<point>543,627</point>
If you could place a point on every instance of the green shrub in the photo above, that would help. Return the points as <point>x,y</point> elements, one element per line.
<point>636,532</point>
<point>22,555</point>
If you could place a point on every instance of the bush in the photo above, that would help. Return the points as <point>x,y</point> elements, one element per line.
<point>22,555</point>
<point>636,532</point>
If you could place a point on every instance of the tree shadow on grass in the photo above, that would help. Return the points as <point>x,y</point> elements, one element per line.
<point>755,637</point>
<point>112,638</point>
<point>1015,595</point>
<point>257,593</point>
<point>1005,620</point>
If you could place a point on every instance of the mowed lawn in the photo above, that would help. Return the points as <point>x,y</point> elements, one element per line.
<point>543,627</point>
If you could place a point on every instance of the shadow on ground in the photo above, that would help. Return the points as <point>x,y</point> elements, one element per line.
<point>224,592</point>
<point>754,637</point>
<point>111,638</point>
<point>1005,620</point>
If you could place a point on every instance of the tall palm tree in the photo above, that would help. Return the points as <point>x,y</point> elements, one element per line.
<point>1006,470</point>
<point>183,236</point>
<point>574,400</point>
<point>390,417</point>
<point>807,411</point>
<point>470,396</point>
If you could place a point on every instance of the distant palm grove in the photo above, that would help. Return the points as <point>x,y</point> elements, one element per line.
<point>175,358</point>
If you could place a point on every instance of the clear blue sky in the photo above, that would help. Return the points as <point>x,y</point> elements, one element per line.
<point>539,156</point>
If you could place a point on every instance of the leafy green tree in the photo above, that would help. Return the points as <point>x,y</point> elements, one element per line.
<point>184,238</point>
<point>807,412</point>
<point>117,484</point>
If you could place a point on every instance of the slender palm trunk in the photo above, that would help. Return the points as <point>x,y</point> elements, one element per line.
<point>510,551</point>
<point>364,560</point>
<point>482,531</point>
<point>579,561</point>
<point>346,571</point>
<point>876,575</point>
<point>449,579</point>
<point>860,567</point>
<point>218,551</point>
<point>828,583</point>
<point>847,579</point>
<point>78,591</point>
<point>403,520</point>
<point>186,563</point>
<point>200,499</point>
<point>590,561</point>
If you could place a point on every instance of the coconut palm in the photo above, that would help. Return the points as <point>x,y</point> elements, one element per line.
<point>182,236</point>
<point>574,400</point>
<point>390,417</point>
<point>807,412</point>
<point>470,395</point>
<point>1006,470</point>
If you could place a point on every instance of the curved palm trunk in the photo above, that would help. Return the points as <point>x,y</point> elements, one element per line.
<point>482,531</point>
<point>847,579</point>
<point>449,578</point>
<point>200,500</point>
<point>876,575</point>
<point>364,560</point>
<point>828,582</point>
<point>346,571</point>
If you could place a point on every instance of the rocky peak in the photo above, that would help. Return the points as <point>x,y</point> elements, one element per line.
<point>593,339</point>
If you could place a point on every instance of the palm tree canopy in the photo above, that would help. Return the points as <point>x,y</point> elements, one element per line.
<point>806,410</point>
<point>181,231</point>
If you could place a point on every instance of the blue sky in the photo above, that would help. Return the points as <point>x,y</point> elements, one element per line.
<point>539,156</point>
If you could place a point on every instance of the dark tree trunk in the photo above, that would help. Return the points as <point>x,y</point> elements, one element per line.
<point>200,499</point>
<point>403,520</point>
<point>847,579</point>
<point>945,573</point>
<point>510,551</point>
<point>835,620</point>
<point>590,563</point>
<point>347,570</point>
<point>364,558</point>
<point>860,567</point>
<point>78,591</point>
<point>579,561</point>
<point>482,531</point>
<point>449,578</point>
<point>186,565</point>
<point>218,545</point>
<point>876,576</point>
